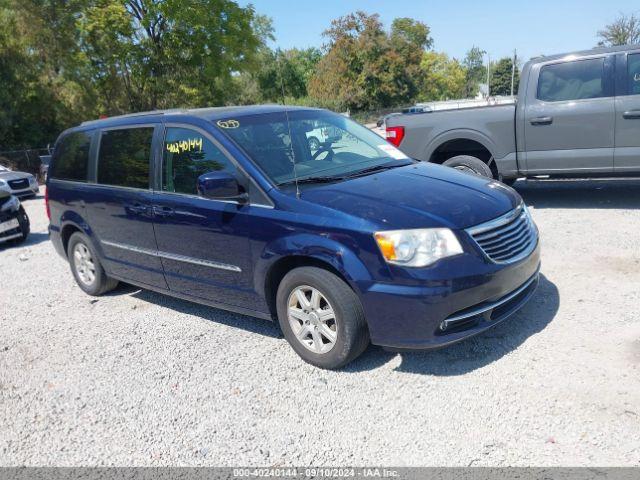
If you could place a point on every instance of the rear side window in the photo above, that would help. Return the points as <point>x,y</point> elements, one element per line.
<point>633,69</point>
<point>187,155</point>
<point>124,157</point>
<point>72,157</point>
<point>572,81</point>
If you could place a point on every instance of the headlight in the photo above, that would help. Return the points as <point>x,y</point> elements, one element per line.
<point>3,183</point>
<point>419,247</point>
<point>32,180</point>
<point>11,206</point>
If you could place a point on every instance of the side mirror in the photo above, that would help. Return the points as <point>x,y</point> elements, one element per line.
<point>221,186</point>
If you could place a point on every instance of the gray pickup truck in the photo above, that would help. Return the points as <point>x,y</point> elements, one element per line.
<point>576,115</point>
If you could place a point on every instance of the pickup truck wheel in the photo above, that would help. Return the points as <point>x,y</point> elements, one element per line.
<point>321,317</point>
<point>469,164</point>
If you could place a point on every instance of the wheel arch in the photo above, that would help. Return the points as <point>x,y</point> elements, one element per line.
<point>306,251</point>
<point>462,142</point>
<point>70,223</point>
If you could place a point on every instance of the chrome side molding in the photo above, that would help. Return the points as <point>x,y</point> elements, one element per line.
<point>173,256</point>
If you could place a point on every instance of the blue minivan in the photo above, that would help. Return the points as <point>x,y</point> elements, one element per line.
<point>344,241</point>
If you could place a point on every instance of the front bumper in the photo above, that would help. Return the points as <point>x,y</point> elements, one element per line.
<point>440,313</point>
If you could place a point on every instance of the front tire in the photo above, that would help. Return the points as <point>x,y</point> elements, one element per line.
<point>469,164</point>
<point>86,267</point>
<point>321,317</point>
<point>25,225</point>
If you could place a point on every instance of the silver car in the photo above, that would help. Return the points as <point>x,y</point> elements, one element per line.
<point>20,184</point>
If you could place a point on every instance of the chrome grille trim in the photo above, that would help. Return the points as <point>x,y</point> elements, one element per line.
<point>508,238</point>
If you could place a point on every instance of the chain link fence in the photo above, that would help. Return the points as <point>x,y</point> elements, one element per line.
<point>25,161</point>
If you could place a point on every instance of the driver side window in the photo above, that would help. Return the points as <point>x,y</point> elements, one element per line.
<point>187,155</point>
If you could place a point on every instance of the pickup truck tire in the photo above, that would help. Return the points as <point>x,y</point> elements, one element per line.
<point>469,164</point>
<point>321,317</point>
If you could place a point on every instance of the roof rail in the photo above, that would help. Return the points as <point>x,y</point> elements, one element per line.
<point>133,115</point>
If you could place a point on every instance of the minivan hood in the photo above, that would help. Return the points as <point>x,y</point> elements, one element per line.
<point>420,195</point>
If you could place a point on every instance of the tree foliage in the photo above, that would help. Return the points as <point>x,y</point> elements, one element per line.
<point>365,67</point>
<point>475,71</point>
<point>443,78</point>
<point>625,30</point>
<point>167,53</point>
<point>501,72</point>
<point>64,61</point>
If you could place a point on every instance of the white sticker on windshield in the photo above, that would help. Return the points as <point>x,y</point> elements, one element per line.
<point>393,152</point>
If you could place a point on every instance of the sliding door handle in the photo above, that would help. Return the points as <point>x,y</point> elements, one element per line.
<point>631,115</point>
<point>541,121</point>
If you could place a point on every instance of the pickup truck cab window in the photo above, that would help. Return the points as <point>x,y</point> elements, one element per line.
<point>633,72</point>
<point>576,80</point>
<point>124,157</point>
<point>187,154</point>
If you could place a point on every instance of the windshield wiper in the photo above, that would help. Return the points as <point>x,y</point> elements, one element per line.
<point>377,168</point>
<point>325,179</point>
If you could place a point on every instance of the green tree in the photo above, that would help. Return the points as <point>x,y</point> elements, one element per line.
<point>148,54</point>
<point>500,83</point>
<point>443,78</point>
<point>288,70</point>
<point>475,71</point>
<point>625,30</point>
<point>366,68</point>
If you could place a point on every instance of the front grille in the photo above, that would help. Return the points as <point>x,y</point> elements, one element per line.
<point>508,238</point>
<point>18,184</point>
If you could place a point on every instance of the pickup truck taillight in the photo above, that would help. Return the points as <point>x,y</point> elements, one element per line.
<point>395,135</point>
<point>46,202</point>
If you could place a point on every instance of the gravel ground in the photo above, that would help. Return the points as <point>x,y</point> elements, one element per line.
<point>137,378</point>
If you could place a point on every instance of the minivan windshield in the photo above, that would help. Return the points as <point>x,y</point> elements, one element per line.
<point>312,145</point>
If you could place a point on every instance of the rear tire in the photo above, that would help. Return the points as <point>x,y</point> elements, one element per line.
<point>86,267</point>
<point>469,164</point>
<point>321,317</point>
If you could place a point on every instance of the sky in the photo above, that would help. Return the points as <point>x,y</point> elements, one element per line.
<point>532,27</point>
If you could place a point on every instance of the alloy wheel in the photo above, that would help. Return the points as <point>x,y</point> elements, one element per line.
<point>85,268</point>
<point>312,319</point>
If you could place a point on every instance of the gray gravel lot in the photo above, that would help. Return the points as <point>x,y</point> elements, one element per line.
<point>137,378</point>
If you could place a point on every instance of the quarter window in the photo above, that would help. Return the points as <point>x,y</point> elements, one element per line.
<point>572,81</point>
<point>187,155</point>
<point>633,67</point>
<point>72,157</point>
<point>124,157</point>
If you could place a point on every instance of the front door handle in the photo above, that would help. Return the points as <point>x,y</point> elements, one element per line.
<point>542,121</point>
<point>161,211</point>
<point>632,115</point>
